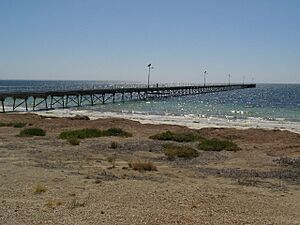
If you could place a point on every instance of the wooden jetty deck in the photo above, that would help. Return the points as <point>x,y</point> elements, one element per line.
<point>75,98</point>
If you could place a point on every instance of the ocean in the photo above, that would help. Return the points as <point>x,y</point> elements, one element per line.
<point>272,106</point>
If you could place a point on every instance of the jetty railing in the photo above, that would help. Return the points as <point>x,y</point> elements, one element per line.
<point>48,100</point>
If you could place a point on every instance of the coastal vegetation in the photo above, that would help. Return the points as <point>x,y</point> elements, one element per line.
<point>172,151</point>
<point>217,145</point>
<point>114,145</point>
<point>142,166</point>
<point>73,141</point>
<point>178,137</point>
<point>52,203</point>
<point>116,132</point>
<point>77,203</point>
<point>39,189</point>
<point>117,165</point>
<point>91,132</point>
<point>184,151</point>
<point>112,160</point>
<point>30,132</point>
<point>12,124</point>
<point>81,134</point>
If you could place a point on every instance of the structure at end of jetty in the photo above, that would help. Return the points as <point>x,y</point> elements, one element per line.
<point>48,100</point>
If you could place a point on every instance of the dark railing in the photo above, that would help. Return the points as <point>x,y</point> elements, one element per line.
<point>45,100</point>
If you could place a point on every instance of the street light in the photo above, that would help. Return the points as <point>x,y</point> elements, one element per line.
<point>204,78</point>
<point>243,79</point>
<point>229,76</point>
<point>150,68</point>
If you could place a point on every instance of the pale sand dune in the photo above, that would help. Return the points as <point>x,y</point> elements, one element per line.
<point>243,187</point>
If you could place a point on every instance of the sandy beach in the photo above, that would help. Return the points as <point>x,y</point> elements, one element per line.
<point>46,180</point>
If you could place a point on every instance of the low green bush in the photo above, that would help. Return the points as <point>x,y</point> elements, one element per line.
<point>172,151</point>
<point>29,132</point>
<point>178,137</point>
<point>12,124</point>
<point>116,132</point>
<point>217,145</point>
<point>90,133</point>
<point>81,134</point>
<point>19,125</point>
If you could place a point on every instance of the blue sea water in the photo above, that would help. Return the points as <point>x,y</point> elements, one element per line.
<point>267,102</point>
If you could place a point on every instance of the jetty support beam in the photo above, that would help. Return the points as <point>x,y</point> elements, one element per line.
<point>2,104</point>
<point>100,96</point>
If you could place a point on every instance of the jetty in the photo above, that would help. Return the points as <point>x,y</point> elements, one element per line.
<point>47,100</point>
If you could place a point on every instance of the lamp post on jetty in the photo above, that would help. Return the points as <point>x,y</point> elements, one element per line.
<point>243,79</point>
<point>229,76</point>
<point>204,78</point>
<point>150,68</point>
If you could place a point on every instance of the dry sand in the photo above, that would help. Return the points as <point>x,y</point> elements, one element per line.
<point>260,184</point>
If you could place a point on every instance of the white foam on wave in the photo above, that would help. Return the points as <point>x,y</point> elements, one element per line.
<point>190,120</point>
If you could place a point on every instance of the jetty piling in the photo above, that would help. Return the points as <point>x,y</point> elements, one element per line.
<point>77,98</point>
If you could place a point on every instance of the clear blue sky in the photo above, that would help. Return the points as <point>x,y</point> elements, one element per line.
<point>116,39</point>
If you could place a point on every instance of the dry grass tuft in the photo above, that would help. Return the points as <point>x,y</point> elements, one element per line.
<point>172,151</point>
<point>77,203</point>
<point>73,141</point>
<point>112,159</point>
<point>142,166</point>
<point>39,189</point>
<point>114,145</point>
<point>53,203</point>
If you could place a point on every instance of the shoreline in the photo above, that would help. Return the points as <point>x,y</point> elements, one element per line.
<point>189,121</point>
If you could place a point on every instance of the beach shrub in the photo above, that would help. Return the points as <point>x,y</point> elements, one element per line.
<point>142,166</point>
<point>30,132</point>
<point>81,134</point>
<point>90,133</point>
<point>114,145</point>
<point>116,132</point>
<point>217,145</point>
<point>73,141</point>
<point>178,137</point>
<point>19,125</point>
<point>3,124</point>
<point>172,151</point>
<point>12,124</point>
